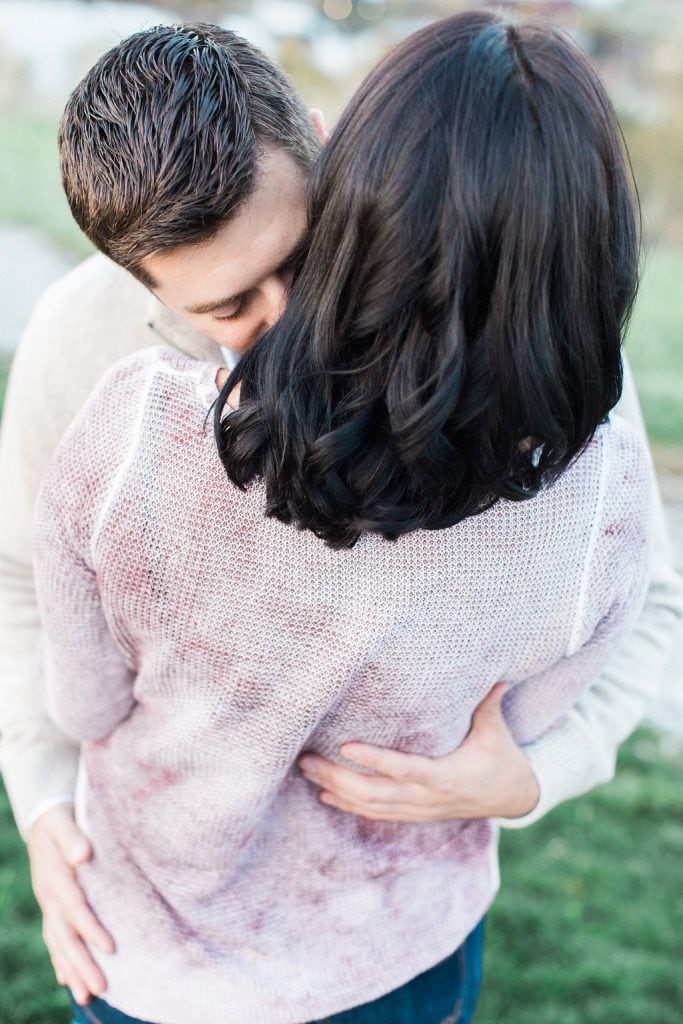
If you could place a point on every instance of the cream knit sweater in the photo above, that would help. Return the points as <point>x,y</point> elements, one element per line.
<point>83,324</point>
<point>196,648</point>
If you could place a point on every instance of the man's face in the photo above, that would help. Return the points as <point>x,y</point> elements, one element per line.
<point>234,287</point>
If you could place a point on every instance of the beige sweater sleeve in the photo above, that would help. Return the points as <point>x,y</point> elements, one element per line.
<point>84,323</point>
<point>580,752</point>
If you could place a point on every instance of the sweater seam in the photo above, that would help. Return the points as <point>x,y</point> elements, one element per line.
<point>125,464</point>
<point>197,374</point>
<point>582,597</point>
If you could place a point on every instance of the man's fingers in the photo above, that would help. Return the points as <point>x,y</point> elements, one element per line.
<point>78,990</point>
<point>56,847</point>
<point>351,785</point>
<point>490,706</point>
<point>393,763</point>
<point>487,720</point>
<point>60,967</point>
<point>65,902</point>
<point>84,922</point>
<point>72,958</point>
<point>68,977</point>
<point>71,842</point>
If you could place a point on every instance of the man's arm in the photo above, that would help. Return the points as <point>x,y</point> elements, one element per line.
<point>581,752</point>
<point>490,775</point>
<point>84,323</point>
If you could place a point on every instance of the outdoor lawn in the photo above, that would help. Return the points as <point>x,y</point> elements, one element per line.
<point>655,344</point>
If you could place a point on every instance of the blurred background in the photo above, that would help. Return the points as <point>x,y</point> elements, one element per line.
<point>589,925</point>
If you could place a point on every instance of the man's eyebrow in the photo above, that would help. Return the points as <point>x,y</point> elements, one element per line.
<point>209,307</point>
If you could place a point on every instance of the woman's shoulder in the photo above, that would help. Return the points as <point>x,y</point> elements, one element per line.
<point>162,370</point>
<point>627,486</point>
<point>627,465</point>
<point>146,362</point>
<point>610,482</point>
<point>617,456</point>
<point>133,398</point>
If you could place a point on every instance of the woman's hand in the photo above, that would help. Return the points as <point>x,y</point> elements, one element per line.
<point>56,847</point>
<point>487,776</point>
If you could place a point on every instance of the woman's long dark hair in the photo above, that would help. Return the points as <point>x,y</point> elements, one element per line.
<point>453,334</point>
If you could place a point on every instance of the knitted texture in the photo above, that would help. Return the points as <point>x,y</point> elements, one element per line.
<point>197,648</point>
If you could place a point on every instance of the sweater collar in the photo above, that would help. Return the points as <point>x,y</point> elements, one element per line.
<point>174,331</point>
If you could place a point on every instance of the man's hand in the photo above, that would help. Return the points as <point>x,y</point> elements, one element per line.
<point>487,776</point>
<point>56,847</point>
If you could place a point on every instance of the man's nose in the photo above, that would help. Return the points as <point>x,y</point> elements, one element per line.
<point>275,291</point>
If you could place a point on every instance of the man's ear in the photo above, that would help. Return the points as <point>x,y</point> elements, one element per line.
<point>318,122</point>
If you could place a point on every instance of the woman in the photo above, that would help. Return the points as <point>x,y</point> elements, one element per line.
<point>430,413</point>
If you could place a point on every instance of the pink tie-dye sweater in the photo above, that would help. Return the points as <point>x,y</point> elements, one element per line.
<point>197,647</point>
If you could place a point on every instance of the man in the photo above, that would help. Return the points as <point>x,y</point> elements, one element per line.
<point>184,157</point>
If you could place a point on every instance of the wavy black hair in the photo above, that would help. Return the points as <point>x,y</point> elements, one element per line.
<point>453,334</point>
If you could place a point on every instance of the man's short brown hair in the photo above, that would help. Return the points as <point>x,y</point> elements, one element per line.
<point>159,143</point>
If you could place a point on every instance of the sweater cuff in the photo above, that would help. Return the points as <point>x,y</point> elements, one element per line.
<point>560,774</point>
<point>42,808</point>
<point>38,779</point>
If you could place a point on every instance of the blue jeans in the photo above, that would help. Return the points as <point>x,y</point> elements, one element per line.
<point>445,994</point>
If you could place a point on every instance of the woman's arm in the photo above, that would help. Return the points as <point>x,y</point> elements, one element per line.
<point>60,358</point>
<point>87,683</point>
<point>88,686</point>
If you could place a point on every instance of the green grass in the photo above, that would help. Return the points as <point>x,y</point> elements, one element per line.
<point>5,361</point>
<point>586,930</point>
<point>587,927</point>
<point>28,991</point>
<point>655,344</point>
<point>30,187</point>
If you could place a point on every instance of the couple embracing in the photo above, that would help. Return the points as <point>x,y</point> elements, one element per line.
<point>344,561</point>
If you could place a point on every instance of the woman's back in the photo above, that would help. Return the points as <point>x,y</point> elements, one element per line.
<point>241,642</point>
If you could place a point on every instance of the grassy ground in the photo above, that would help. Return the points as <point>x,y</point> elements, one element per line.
<point>655,344</point>
<point>586,930</point>
<point>4,372</point>
<point>30,187</point>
